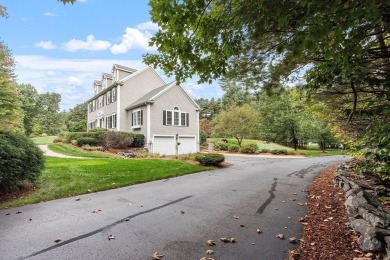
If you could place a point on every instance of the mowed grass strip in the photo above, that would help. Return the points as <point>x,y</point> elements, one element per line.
<point>64,177</point>
<point>74,151</point>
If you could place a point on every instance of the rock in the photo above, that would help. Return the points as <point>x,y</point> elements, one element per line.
<point>368,242</point>
<point>353,192</point>
<point>387,240</point>
<point>360,225</point>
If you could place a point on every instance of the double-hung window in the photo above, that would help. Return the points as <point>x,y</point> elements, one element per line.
<point>113,95</point>
<point>136,118</point>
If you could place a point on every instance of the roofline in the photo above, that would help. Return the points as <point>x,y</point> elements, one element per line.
<point>140,71</point>
<point>115,84</point>
<point>139,105</point>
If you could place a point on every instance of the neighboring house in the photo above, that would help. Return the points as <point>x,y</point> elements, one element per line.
<point>141,102</point>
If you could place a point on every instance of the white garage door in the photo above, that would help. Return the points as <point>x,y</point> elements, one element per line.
<point>164,145</point>
<point>187,145</point>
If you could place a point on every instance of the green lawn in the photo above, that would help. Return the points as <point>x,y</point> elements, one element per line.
<point>69,177</point>
<point>68,149</point>
<point>44,139</point>
<point>312,151</point>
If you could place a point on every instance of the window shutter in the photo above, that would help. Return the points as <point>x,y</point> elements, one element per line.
<point>164,117</point>
<point>132,119</point>
<point>142,116</point>
<point>187,119</point>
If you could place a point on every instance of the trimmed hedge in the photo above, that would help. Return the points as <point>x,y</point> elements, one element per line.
<point>210,159</point>
<point>87,141</point>
<point>279,151</point>
<point>234,148</point>
<point>202,137</point>
<point>20,160</point>
<point>249,148</point>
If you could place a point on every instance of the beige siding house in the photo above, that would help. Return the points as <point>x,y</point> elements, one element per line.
<point>141,102</point>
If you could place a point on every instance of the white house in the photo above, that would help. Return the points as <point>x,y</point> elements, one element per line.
<point>141,102</point>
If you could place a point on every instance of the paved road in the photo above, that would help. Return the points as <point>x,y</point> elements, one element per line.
<point>174,216</point>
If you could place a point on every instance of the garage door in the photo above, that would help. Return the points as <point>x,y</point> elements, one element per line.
<point>187,145</point>
<point>164,145</point>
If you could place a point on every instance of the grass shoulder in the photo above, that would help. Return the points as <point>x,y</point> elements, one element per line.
<point>65,177</point>
<point>71,150</point>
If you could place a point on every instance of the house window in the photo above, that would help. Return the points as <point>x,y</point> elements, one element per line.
<point>101,122</point>
<point>108,122</point>
<point>108,97</point>
<point>137,118</point>
<point>94,105</point>
<point>175,117</point>
<point>113,120</point>
<point>113,95</point>
<point>90,107</point>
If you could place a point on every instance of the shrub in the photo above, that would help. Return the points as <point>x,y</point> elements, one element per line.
<point>279,151</point>
<point>116,140</point>
<point>224,140</point>
<point>20,160</point>
<point>210,159</point>
<point>202,137</point>
<point>86,141</point>
<point>265,151</point>
<point>234,148</point>
<point>95,133</point>
<point>249,148</point>
<point>138,140</point>
<point>221,146</point>
<point>87,147</point>
<point>57,140</point>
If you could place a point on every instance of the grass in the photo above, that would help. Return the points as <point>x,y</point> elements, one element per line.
<point>312,151</point>
<point>74,151</point>
<point>44,139</point>
<point>64,177</point>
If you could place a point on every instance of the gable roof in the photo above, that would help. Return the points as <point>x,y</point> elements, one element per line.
<point>150,97</point>
<point>107,75</point>
<point>124,68</point>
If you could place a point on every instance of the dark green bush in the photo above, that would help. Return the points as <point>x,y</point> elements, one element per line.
<point>279,151</point>
<point>265,151</point>
<point>224,140</point>
<point>116,140</point>
<point>20,160</point>
<point>249,148</point>
<point>202,137</point>
<point>221,146</point>
<point>233,148</point>
<point>96,133</point>
<point>87,141</point>
<point>138,140</point>
<point>210,159</point>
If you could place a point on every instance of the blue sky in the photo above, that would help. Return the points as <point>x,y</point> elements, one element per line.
<point>63,48</point>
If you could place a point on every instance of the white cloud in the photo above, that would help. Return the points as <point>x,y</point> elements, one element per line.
<point>132,39</point>
<point>74,81</point>
<point>46,45</point>
<point>72,78</point>
<point>147,26</point>
<point>49,14</point>
<point>91,44</point>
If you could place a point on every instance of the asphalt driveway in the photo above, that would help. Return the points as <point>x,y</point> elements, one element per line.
<point>174,216</point>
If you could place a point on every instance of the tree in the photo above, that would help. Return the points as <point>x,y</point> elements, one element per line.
<point>11,115</point>
<point>236,94</point>
<point>49,119</point>
<point>76,118</point>
<point>341,47</point>
<point>206,126</point>
<point>237,122</point>
<point>209,108</point>
<point>29,105</point>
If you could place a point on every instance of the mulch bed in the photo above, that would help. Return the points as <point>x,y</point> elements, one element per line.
<point>326,232</point>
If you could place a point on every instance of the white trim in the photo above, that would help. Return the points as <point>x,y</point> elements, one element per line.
<point>148,124</point>
<point>118,100</point>
<point>162,91</point>
<point>139,72</point>
<point>134,116</point>
<point>197,133</point>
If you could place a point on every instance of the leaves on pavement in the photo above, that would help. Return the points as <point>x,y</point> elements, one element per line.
<point>157,256</point>
<point>211,242</point>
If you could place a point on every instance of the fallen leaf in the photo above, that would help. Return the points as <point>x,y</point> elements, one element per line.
<point>206,258</point>
<point>157,256</point>
<point>295,193</point>
<point>301,219</point>
<point>111,237</point>
<point>211,242</point>
<point>127,219</point>
<point>236,217</point>
<point>293,254</point>
<point>77,199</point>
<point>259,231</point>
<point>281,236</point>
<point>182,212</point>
<point>293,199</point>
<point>312,244</point>
<point>18,212</point>
<point>253,244</point>
<point>209,252</point>
<point>284,201</point>
<point>228,239</point>
<point>301,204</point>
<point>57,240</point>
<point>242,225</point>
<point>304,223</point>
<point>96,210</point>
<point>30,219</point>
<point>276,208</point>
<point>293,240</point>
<point>8,214</point>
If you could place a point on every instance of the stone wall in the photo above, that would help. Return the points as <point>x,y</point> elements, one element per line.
<point>367,216</point>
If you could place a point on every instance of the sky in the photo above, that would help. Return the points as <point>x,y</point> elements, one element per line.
<point>64,48</point>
